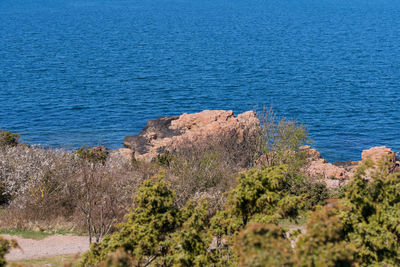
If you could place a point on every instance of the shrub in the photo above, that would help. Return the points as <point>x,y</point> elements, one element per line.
<point>260,196</point>
<point>96,154</point>
<point>279,139</point>
<point>264,245</point>
<point>188,245</point>
<point>144,233</point>
<point>119,258</point>
<point>28,174</point>
<point>200,169</point>
<point>325,242</point>
<point>372,215</point>
<point>45,188</point>
<point>313,193</point>
<point>5,246</point>
<point>8,139</point>
<point>156,232</point>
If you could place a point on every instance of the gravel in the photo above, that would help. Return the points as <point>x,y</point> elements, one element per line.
<point>47,247</point>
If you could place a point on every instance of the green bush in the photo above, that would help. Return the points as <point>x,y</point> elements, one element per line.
<point>262,195</point>
<point>325,242</point>
<point>280,139</point>
<point>156,232</point>
<point>362,229</point>
<point>313,193</point>
<point>96,154</point>
<point>8,139</point>
<point>372,214</point>
<point>264,245</point>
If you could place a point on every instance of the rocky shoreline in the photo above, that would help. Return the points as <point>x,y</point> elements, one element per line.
<point>341,172</point>
<point>168,133</point>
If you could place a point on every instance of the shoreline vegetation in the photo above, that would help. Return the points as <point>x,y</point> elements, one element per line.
<point>207,189</point>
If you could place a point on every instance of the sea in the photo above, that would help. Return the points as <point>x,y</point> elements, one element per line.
<point>90,72</point>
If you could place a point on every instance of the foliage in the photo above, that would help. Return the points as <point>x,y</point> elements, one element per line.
<point>261,245</point>
<point>5,246</point>
<point>260,196</point>
<point>280,139</point>
<point>156,232</point>
<point>324,243</point>
<point>93,154</point>
<point>119,258</point>
<point>372,214</point>
<point>144,233</point>
<point>8,138</point>
<point>313,193</point>
<point>188,245</point>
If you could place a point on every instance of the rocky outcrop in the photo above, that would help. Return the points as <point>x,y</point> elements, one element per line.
<point>333,175</point>
<point>168,133</point>
<point>341,172</point>
<point>376,154</point>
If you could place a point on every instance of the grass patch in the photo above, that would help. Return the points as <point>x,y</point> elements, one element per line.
<point>60,260</point>
<point>300,223</point>
<point>30,234</point>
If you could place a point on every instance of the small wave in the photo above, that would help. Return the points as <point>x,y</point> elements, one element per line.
<point>78,108</point>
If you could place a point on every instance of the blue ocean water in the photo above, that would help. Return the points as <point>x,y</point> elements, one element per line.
<point>75,72</point>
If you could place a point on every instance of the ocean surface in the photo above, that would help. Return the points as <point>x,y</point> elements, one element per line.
<point>75,72</point>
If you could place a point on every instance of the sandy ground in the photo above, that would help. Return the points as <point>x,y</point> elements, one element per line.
<point>50,246</point>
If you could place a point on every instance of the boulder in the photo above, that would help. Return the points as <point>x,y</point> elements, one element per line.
<point>327,170</point>
<point>333,175</point>
<point>168,133</point>
<point>310,153</point>
<point>375,154</point>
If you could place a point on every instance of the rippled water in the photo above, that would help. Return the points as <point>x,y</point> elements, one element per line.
<point>76,72</point>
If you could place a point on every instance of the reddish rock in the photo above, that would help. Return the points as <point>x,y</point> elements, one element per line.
<point>168,133</point>
<point>311,153</point>
<point>333,175</point>
<point>327,170</point>
<point>375,154</point>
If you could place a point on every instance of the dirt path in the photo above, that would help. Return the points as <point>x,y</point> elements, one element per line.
<point>47,247</point>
